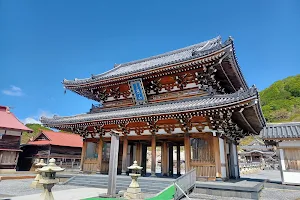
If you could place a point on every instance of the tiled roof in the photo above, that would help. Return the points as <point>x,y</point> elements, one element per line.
<point>256,147</point>
<point>281,131</point>
<point>196,103</point>
<point>58,139</point>
<point>9,121</point>
<point>172,57</point>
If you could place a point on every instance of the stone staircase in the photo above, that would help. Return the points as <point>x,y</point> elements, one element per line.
<point>147,184</point>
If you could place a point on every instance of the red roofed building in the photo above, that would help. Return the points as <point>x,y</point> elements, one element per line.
<point>10,135</point>
<point>64,147</point>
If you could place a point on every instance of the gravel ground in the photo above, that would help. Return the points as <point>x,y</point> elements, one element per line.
<point>266,194</point>
<point>22,187</point>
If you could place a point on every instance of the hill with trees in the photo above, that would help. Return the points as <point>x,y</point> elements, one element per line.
<point>281,101</point>
<point>37,128</point>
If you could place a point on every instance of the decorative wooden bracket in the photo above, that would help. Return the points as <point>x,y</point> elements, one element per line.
<point>98,130</point>
<point>154,86</point>
<point>153,128</point>
<point>115,92</point>
<point>123,128</point>
<point>185,124</point>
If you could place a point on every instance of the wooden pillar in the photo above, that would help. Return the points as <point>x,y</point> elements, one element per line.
<point>83,154</point>
<point>100,153</point>
<point>143,159</point>
<point>178,159</point>
<point>171,159</point>
<point>131,155</point>
<point>164,162</point>
<point>187,152</point>
<point>217,156</point>
<point>138,153</point>
<point>153,155</point>
<point>113,164</point>
<point>124,156</point>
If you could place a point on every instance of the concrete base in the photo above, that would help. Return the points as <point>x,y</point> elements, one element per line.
<point>7,171</point>
<point>134,193</point>
<point>240,189</point>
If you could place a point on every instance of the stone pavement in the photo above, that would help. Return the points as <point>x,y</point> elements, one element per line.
<point>72,194</point>
<point>272,175</point>
<point>266,194</point>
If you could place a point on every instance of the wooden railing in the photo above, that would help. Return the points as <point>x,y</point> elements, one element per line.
<point>184,184</point>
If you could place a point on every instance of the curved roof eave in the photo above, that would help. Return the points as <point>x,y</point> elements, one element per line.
<point>172,57</point>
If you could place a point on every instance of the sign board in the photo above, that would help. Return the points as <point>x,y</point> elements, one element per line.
<point>138,91</point>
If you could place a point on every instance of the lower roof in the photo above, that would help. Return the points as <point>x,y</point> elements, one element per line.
<point>172,107</point>
<point>58,139</point>
<point>273,131</point>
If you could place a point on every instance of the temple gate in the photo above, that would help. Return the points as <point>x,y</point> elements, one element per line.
<point>193,98</point>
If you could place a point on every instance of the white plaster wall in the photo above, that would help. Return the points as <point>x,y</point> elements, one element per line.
<point>222,158</point>
<point>14,133</point>
<point>291,177</point>
<point>295,143</point>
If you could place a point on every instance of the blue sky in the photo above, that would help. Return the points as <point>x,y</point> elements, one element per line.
<point>43,42</point>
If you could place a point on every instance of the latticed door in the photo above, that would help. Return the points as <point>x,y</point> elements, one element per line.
<point>202,158</point>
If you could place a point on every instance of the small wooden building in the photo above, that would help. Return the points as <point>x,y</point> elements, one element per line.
<point>287,138</point>
<point>10,136</point>
<point>64,147</point>
<point>195,97</point>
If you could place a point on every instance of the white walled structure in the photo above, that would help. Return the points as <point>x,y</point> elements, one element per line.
<point>287,138</point>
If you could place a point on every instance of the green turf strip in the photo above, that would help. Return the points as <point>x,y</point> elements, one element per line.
<point>166,194</point>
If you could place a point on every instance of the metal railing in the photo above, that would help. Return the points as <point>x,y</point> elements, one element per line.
<point>184,184</point>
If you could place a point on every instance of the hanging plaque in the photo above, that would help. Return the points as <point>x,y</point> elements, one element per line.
<point>138,91</point>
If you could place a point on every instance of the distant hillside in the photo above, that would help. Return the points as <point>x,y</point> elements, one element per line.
<point>281,101</point>
<point>36,130</point>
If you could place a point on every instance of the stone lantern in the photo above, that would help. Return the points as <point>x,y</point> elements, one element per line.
<point>38,164</point>
<point>134,190</point>
<point>49,178</point>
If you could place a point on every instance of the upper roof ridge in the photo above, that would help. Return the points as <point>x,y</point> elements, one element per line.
<point>120,68</point>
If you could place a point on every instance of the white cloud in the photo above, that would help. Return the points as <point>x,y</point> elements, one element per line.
<point>30,120</point>
<point>13,91</point>
<point>36,118</point>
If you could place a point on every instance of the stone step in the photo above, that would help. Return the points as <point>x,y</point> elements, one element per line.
<point>128,179</point>
<point>119,187</point>
<point>96,184</point>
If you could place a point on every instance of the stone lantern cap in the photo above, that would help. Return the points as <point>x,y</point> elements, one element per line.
<point>51,167</point>
<point>135,166</point>
<point>41,163</point>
